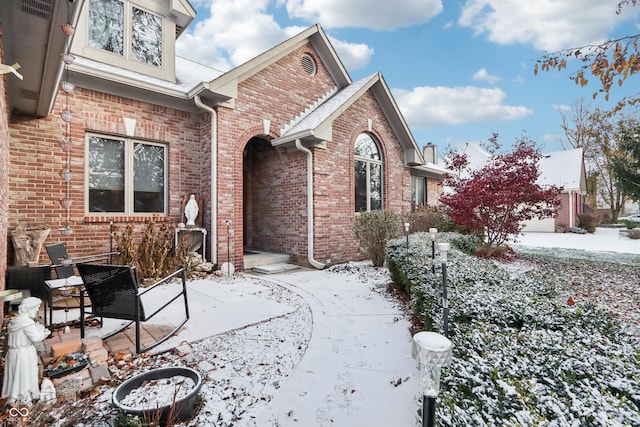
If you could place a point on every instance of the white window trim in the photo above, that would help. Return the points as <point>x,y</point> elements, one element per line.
<point>128,177</point>
<point>126,60</point>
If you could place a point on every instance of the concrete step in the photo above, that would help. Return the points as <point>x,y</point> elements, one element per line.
<point>259,258</point>
<point>280,267</point>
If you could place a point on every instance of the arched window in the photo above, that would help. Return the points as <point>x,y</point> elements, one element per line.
<point>368,174</point>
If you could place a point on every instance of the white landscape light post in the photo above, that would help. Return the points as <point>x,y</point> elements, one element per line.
<point>433,232</point>
<point>444,248</point>
<point>433,352</point>
<point>406,232</point>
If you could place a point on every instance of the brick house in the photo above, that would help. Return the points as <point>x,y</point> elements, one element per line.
<point>284,150</point>
<point>563,169</point>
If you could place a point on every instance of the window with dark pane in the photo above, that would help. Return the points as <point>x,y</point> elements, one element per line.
<point>126,176</point>
<point>106,25</point>
<point>418,191</point>
<point>368,174</point>
<point>146,37</point>
<point>106,175</point>
<point>148,178</point>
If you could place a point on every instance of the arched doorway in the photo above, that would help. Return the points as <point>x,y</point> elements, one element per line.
<point>260,168</point>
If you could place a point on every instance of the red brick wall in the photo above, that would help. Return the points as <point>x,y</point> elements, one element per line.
<point>563,212</point>
<point>35,160</point>
<point>275,201</point>
<point>334,180</point>
<point>274,186</point>
<point>278,219</point>
<point>4,188</point>
<point>277,93</point>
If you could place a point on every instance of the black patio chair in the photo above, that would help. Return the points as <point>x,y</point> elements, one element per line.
<point>64,269</point>
<point>115,294</point>
<point>58,252</point>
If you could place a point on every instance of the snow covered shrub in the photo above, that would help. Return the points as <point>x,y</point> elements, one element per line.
<point>523,355</point>
<point>154,255</point>
<point>589,221</point>
<point>373,230</point>
<point>422,218</point>
<point>466,243</point>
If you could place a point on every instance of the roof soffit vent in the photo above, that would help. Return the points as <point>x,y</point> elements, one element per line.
<point>39,8</point>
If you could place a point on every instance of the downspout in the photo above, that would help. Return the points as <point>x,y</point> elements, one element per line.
<point>571,224</point>
<point>214,178</point>
<point>310,234</point>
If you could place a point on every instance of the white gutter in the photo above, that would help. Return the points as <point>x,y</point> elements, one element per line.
<point>310,234</point>
<point>214,178</point>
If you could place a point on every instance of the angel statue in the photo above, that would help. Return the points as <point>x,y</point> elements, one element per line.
<point>20,380</point>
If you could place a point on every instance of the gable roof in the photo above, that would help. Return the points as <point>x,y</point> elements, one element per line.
<point>225,87</point>
<point>565,169</point>
<point>317,125</point>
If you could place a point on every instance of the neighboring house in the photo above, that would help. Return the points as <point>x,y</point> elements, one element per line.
<point>561,168</point>
<point>426,179</point>
<point>564,169</point>
<point>285,150</point>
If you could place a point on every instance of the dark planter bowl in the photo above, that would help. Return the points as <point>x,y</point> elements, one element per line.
<point>183,407</point>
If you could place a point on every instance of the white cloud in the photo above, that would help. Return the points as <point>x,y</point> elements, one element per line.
<point>385,15</point>
<point>548,25</point>
<point>425,107</point>
<point>562,108</point>
<point>483,74</point>
<point>239,30</point>
<point>352,55</point>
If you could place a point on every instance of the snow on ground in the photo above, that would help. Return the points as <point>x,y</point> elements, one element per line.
<point>341,355</point>
<point>336,350</point>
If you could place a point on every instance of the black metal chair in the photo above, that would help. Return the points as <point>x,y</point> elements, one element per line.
<point>115,294</point>
<point>57,253</point>
<point>62,263</point>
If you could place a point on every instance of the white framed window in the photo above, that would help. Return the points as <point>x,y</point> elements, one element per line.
<point>126,176</point>
<point>121,28</point>
<point>367,174</point>
<point>418,191</point>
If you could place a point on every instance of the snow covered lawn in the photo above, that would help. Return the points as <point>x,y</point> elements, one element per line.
<point>550,339</point>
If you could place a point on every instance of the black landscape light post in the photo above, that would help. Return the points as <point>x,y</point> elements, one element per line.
<point>444,248</point>
<point>433,232</point>
<point>433,352</point>
<point>110,239</point>
<point>406,233</point>
<point>227,268</point>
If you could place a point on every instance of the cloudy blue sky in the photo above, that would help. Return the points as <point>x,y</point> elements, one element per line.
<point>459,70</point>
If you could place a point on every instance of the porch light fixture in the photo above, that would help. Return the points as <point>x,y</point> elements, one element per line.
<point>433,352</point>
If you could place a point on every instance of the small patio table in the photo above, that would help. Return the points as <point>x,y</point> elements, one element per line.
<point>72,282</point>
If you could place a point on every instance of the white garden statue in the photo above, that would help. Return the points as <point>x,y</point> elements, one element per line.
<point>20,380</point>
<point>191,211</point>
